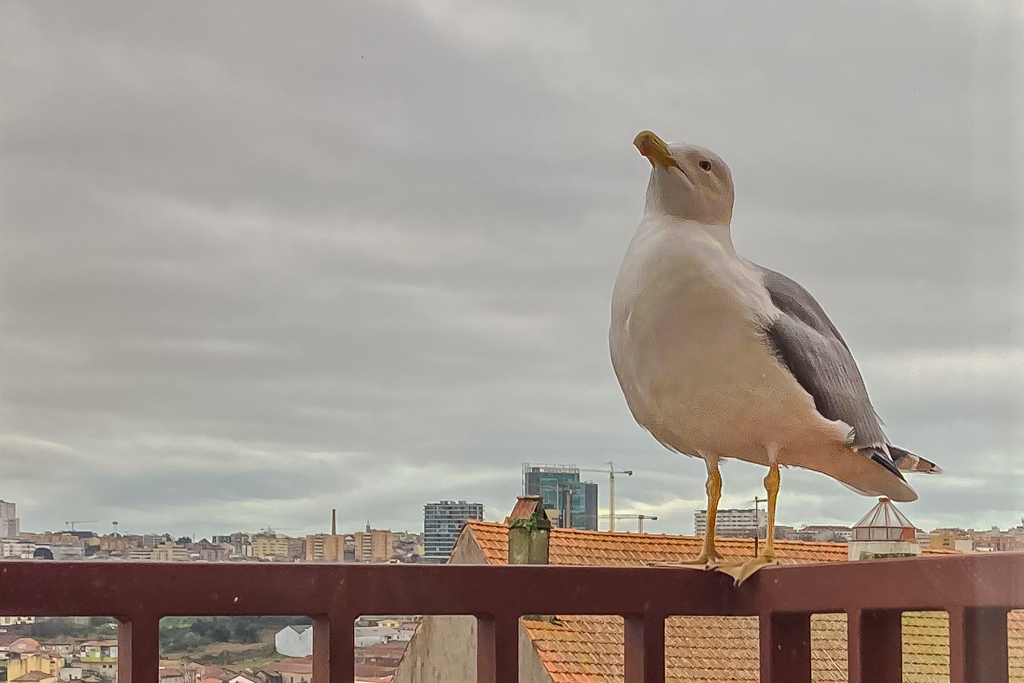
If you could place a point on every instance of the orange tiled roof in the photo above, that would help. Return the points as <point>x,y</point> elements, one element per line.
<point>588,649</point>
<point>603,548</point>
<point>607,549</point>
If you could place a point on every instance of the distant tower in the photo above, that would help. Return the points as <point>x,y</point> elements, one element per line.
<point>883,532</point>
<point>334,522</point>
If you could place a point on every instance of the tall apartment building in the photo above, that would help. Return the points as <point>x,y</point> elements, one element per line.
<point>442,524</point>
<point>561,488</point>
<point>274,547</point>
<point>10,526</point>
<point>373,545</point>
<point>326,547</point>
<point>742,523</point>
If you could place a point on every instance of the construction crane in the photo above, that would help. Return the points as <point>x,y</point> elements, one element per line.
<point>611,472</point>
<point>639,520</point>
<point>79,521</point>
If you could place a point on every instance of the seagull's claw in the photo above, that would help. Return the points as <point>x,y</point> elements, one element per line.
<point>744,570</point>
<point>708,558</point>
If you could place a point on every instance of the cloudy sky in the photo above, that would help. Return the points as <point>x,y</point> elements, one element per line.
<point>259,261</point>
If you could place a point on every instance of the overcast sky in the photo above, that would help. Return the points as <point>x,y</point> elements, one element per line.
<point>262,260</point>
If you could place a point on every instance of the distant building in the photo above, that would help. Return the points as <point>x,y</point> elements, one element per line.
<point>277,547</point>
<point>240,541</point>
<point>822,533</point>
<point>35,667</point>
<point>326,547</point>
<point>169,551</point>
<point>293,669</point>
<point>373,545</point>
<point>562,490</point>
<point>883,532</point>
<point>951,539</point>
<point>365,636</point>
<point>294,641</point>
<point>20,549</point>
<point>737,523</point>
<point>14,621</point>
<point>10,525</point>
<point>442,523</point>
<point>99,657</point>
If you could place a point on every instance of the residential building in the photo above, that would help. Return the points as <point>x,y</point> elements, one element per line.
<point>62,649</point>
<point>276,547</point>
<point>113,543</point>
<point>734,523</point>
<point>213,552</point>
<point>573,500</point>
<point>13,644</point>
<point>821,533</point>
<point>99,657</point>
<point>294,641</point>
<point>35,677</point>
<point>10,525</point>
<point>21,549</point>
<point>169,551</point>
<point>293,670</point>
<point>366,636</point>
<point>14,621</point>
<point>589,647</point>
<point>373,545</point>
<point>21,665</point>
<point>145,554</point>
<point>953,539</point>
<point>240,541</point>
<point>326,547</point>
<point>442,524</point>
<point>408,547</point>
<point>70,673</point>
<point>53,538</point>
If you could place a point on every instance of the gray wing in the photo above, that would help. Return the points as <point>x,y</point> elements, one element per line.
<point>810,346</point>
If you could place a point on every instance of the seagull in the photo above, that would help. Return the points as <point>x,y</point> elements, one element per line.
<point>718,357</point>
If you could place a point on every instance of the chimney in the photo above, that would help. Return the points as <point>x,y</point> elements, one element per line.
<point>529,532</point>
<point>334,522</point>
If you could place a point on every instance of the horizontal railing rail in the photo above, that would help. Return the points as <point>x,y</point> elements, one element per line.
<point>976,590</point>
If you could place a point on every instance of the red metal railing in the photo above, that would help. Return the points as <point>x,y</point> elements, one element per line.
<point>976,590</point>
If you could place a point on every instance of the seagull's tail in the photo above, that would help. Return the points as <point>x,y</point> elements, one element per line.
<point>908,462</point>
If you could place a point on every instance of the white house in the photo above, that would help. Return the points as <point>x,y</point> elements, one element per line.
<point>366,636</point>
<point>294,641</point>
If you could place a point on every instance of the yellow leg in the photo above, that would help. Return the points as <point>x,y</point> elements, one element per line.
<point>744,571</point>
<point>771,485</point>
<point>708,554</point>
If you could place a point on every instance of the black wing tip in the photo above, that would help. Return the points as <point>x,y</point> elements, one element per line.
<point>882,459</point>
<point>909,462</point>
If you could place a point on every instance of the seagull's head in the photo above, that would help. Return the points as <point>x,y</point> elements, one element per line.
<point>687,182</point>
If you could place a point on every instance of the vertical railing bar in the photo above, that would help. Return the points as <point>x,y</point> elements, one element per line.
<point>875,646</point>
<point>644,648</point>
<point>334,652</point>
<point>138,648</point>
<point>785,647</point>
<point>497,648</point>
<point>978,646</point>
<point>957,654</point>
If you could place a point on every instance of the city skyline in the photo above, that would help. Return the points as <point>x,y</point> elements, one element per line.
<point>258,265</point>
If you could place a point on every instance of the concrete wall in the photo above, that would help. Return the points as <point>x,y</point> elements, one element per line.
<point>443,650</point>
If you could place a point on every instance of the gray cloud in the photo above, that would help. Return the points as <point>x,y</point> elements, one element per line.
<point>258,264</point>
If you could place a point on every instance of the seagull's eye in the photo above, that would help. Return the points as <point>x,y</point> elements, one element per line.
<point>705,164</point>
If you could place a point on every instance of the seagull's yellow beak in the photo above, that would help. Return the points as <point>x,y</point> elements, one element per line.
<point>655,149</point>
